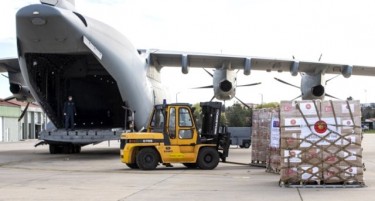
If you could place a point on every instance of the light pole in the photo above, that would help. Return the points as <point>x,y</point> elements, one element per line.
<point>261,100</point>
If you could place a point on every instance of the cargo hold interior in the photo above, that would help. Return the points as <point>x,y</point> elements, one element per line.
<point>95,93</point>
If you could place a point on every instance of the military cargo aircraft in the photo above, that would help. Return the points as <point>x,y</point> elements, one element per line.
<point>61,53</point>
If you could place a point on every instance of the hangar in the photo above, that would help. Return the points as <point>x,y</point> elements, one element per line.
<point>27,128</point>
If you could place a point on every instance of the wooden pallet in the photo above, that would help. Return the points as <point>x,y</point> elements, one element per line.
<point>270,170</point>
<point>258,163</point>
<point>320,184</point>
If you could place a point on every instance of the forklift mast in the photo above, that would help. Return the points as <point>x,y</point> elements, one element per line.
<point>210,131</point>
<point>211,112</point>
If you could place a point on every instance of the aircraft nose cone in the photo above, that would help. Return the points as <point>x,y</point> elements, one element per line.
<point>225,86</point>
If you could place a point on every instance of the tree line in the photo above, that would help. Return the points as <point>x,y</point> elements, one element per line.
<point>237,115</point>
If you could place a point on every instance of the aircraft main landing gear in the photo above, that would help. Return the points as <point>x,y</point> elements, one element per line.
<point>64,149</point>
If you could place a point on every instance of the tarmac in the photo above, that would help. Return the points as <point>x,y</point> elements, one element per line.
<point>28,173</point>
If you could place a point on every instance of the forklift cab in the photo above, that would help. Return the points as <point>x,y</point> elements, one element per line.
<point>176,122</point>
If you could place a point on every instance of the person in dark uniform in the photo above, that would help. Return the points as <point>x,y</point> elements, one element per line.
<point>69,113</point>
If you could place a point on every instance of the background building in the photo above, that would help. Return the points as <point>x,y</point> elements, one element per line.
<point>11,129</point>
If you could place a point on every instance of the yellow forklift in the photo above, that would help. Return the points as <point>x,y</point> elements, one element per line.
<point>173,137</point>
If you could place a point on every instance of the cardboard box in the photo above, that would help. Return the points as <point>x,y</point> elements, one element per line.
<point>291,158</point>
<point>310,173</point>
<point>312,156</point>
<point>289,174</point>
<point>321,140</point>
<point>351,156</point>
<point>299,108</point>
<point>332,175</point>
<point>341,108</point>
<point>291,140</point>
<point>261,136</point>
<point>352,174</point>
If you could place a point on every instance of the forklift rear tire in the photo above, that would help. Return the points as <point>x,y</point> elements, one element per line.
<point>208,158</point>
<point>132,165</point>
<point>190,165</point>
<point>147,159</point>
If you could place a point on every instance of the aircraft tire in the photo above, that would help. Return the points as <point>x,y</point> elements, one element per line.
<point>68,149</point>
<point>76,149</point>
<point>147,158</point>
<point>52,149</point>
<point>208,158</point>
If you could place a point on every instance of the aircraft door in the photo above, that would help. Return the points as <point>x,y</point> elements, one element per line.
<point>172,125</point>
<point>185,129</point>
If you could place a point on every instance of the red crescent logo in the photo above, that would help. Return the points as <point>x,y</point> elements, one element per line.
<point>320,126</point>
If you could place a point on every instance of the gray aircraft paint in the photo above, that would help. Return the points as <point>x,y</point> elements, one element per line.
<point>60,31</point>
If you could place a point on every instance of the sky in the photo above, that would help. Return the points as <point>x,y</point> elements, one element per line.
<point>343,31</point>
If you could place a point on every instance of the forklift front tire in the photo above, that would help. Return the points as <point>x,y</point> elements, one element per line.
<point>147,158</point>
<point>208,158</point>
<point>132,165</point>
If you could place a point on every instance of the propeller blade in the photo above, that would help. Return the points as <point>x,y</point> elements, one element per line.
<point>224,107</point>
<point>320,57</point>
<point>332,96</point>
<point>5,76</point>
<point>243,103</point>
<point>248,85</point>
<point>282,81</point>
<point>208,72</point>
<point>24,111</point>
<point>9,98</point>
<point>204,87</point>
<point>212,98</point>
<point>297,97</point>
<point>332,78</point>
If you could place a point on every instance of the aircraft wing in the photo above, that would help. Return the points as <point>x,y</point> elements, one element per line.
<point>9,65</point>
<point>184,59</point>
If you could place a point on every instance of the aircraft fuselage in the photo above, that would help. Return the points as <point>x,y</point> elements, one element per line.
<point>62,53</point>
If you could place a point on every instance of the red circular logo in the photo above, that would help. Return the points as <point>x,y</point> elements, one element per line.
<point>308,106</point>
<point>293,122</point>
<point>287,107</point>
<point>348,123</point>
<point>320,126</point>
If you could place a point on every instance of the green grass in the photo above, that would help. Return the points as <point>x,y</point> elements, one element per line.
<point>369,132</point>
